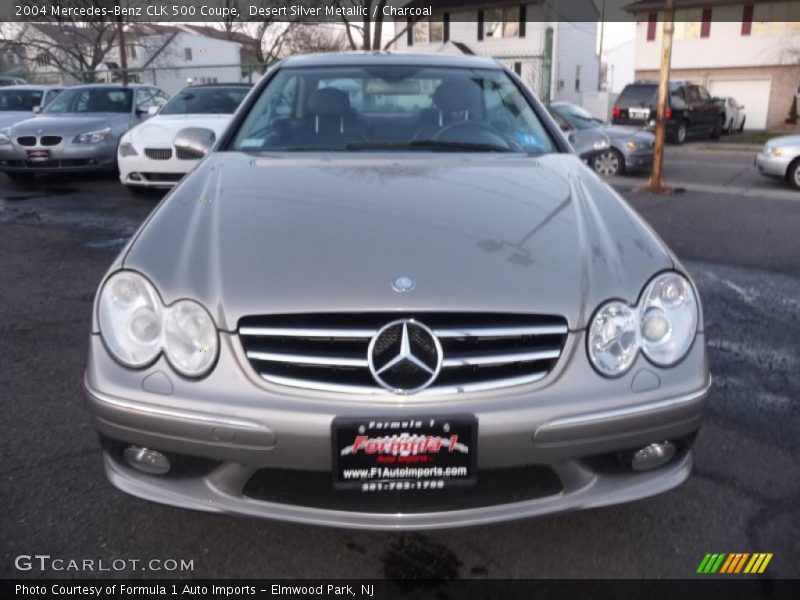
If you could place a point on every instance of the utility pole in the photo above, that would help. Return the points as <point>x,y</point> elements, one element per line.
<point>656,183</point>
<point>600,51</point>
<point>123,53</point>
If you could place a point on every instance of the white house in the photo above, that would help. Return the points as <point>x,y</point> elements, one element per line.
<point>556,58</point>
<point>619,62</point>
<point>749,50</point>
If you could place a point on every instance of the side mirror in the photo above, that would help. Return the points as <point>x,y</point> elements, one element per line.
<point>37,110</point>
<point>153,110</point>
<point>194,142</point>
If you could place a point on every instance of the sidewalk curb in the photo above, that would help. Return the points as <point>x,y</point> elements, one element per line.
<point>764,194</point>
<point>723,147</point>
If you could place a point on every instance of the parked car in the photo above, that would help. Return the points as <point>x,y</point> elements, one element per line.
<point>6,80</point>
<point>629,149</point>
<point>21,102</point>
<point>429,315</point>
<point>147,157</point>
<point>691,110</point>
<point>78,131</point>
<point>733,114</point>
<point>780,158</point>
<point>588,144</point>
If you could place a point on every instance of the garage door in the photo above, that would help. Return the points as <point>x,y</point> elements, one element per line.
<point>753,93</point>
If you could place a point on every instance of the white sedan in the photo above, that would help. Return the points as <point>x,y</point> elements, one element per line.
<point>147,156</point>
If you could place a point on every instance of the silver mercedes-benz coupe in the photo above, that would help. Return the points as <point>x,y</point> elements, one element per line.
<point>392,297</point>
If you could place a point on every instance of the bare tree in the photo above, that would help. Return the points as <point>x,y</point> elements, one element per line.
<point>315,38</point>
<point>368,34</point>
<point>72,45</point>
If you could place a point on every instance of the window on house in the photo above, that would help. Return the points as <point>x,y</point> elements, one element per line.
<point>187,54</point>
<point>43,59</point>
<point>131,49</point>
<point>652,21</point>
<point>705,27</point>
<point>429,31</point>
<point>518,68</point>
<point>577,78</point>
<point>747,19</point>
<point>436,29</point>
<point>501,22</point>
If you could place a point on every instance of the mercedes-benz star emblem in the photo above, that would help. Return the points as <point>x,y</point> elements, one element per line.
<point>405,357</point>
<point>403,284</point>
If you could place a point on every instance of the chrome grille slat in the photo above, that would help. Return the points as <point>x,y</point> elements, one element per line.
<point>300,359</point>
<point>499,359</point>
<point>328,352</point>
<point>307,333</point>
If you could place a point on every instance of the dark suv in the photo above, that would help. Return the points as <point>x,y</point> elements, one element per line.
<point>691,109</point>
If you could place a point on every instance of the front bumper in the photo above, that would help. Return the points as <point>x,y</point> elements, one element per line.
<point>569,423</point>
<point>639,161</point>
<point>141,171</point>
<point>772,166</point>
<point>66,157</point>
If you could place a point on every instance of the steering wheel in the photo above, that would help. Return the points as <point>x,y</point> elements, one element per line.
<point>465,131</point>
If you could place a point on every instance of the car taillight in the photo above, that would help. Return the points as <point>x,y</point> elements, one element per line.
<point>616,112</point>
<point>668,114</point>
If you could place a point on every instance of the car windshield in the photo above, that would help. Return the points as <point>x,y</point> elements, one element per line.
<point>205,101</point>
<point>576,116</point>
<point>92,100</point>
<point>392,108</point>
<point>19,100</point>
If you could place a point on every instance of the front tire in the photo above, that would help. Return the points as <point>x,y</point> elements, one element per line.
<point>793,174</point>
<point>680,135</point>
<point>741,127</point>
<point>609,163</point>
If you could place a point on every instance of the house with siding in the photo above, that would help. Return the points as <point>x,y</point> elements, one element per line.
<point>749,50</point>
<point>555,57</point>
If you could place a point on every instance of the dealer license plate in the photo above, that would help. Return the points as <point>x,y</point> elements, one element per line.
<point>417,453</point>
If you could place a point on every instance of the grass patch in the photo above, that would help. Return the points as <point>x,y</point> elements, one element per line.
<point>754,137</point>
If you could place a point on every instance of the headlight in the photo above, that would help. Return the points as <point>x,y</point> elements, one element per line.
<point>92,137</point>
<point>190,338</point>
<point>136,326</point>
<point>127,149</point>
<point>771,151</point>
<point>614,338</point>
<point>662,326</point>
<point>4,139</point>
<point>668,318</point>
<point>130,316</point>
<point>600,144</point>
<point>632,145</point>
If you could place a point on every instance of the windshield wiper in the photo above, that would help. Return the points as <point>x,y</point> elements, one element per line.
<point>432,144</point>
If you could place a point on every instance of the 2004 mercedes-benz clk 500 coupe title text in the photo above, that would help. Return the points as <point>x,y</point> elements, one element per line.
<point>391,296</point>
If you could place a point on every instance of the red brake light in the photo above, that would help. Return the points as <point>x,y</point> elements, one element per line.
<point>668,114</point>
<point>616,112</point>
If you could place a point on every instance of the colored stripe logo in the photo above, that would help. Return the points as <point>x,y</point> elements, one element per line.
<point>734,563</point>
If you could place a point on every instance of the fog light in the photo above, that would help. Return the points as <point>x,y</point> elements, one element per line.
<point>652,456</point>
<point>146,460</point>
<point>135,176</point>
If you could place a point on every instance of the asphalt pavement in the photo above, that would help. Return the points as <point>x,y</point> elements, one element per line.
<point>57,237</point>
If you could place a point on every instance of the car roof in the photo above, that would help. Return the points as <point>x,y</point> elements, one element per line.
<point>353,59</point>
<point>110,86</point>
<point>33,86</point>
<point>217,85</point>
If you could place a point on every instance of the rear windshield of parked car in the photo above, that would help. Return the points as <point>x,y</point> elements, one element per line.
<point>206,101</point>
<point>638,95</point>
<point>392,108</point>
<point>19,100</point>
<point>92,100</point>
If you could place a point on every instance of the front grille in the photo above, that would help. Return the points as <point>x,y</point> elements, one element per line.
<point>51,140</point>
<point>158,153</point>
<point>184,154</point>
<point>26,140</point>
<point>492,488</point>
<point>328,352</point>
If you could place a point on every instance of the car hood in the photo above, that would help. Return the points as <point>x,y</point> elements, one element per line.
<point>160,130</point>
<point>8,118</point>
<point>300,233</point>
<point>784,140</point>
<point>616,132</point>
<point>68,124</point>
